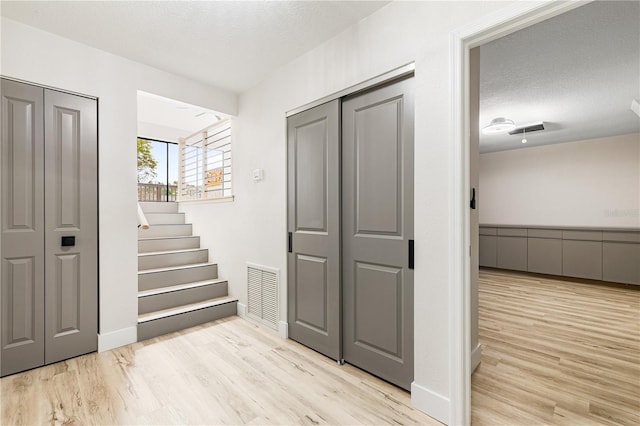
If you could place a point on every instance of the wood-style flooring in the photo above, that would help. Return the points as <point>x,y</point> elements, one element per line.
<point>226,372</point>
<point>556,351</point>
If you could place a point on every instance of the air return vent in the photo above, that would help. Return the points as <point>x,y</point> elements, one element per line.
<point>262,298</point>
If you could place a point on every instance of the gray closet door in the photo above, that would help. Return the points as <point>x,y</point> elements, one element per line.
<point>22,297</point>
<point>49,191</point>
<point>377,220</point>
<point>313,155</point>
<point>71,201</point>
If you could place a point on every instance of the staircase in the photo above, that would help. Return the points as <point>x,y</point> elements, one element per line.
<point>177,286</point>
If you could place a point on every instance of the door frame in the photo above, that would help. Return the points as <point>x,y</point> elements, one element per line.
<point>505,21</point>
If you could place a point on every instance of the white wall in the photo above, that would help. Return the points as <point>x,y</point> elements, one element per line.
<point>43,58</point>
<point>253,227</point>
<point>585,183</point>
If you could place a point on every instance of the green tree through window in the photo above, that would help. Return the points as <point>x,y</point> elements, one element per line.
<point>147,164</point>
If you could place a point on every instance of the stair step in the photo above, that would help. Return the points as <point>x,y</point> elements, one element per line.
<point>178,287</point>
<point>157,323</point>
<point>182,294</point>
<point>157,244</point>
<point>174,275</point>
<point>182,230</point>
<point>170,258</point>
<point>158,207</point>
<point>165,218</point>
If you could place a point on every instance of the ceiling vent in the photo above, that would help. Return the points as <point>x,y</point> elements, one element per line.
<point>528,129</point>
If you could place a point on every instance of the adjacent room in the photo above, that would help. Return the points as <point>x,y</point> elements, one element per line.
<point>557,201</point>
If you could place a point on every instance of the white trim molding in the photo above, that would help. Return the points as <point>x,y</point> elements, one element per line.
<point>490,27</point>
<point>241,310</point>
<point>115,339</point>
<point>437,406</point>
<point>283,329</point>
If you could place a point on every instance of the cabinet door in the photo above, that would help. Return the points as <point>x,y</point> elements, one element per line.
<point>22,298</point>
<point>512,253</point>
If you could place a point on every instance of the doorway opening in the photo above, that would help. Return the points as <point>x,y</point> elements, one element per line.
<point>556,132</point>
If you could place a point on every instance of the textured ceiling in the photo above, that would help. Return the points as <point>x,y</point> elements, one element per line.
<point>577,72</point>
<point>228,44</point>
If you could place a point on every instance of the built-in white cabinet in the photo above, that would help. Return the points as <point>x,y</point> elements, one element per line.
<point>598,254</point>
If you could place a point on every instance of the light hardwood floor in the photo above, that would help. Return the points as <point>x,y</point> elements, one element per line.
<point>556,351</point>
<point>226,372</point>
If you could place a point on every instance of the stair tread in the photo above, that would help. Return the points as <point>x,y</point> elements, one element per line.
<point>175,268</point>
<point>171,224</point>
<point>150,316</point>
<point>178,287</point>
<point>164,213</point>
<point>156,253</point>
<point>167,237</point>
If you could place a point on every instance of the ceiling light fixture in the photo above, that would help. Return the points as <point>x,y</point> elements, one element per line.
<point>499,125</point>
<point>524,135</point>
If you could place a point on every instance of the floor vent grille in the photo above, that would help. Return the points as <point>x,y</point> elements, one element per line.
<point>262,297</point>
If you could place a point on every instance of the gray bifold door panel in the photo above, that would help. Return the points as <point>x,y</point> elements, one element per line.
<point>49,226</point>
<point>350,224</point>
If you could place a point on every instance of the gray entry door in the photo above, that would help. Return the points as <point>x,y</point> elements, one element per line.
<point>377,220</point>
<point>71,202</point>
<point>49,191</point>
<point>313,155</point>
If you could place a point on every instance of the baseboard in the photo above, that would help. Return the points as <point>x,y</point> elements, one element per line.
<point>433,404</point>
<point>476,356</point>
<point>115,339</point>
<point>242,310</point>
<point>283,329</point>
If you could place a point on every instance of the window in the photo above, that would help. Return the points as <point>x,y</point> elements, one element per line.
<point>205,164</point>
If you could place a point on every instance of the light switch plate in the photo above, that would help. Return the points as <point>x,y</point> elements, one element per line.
<point>258,175</point>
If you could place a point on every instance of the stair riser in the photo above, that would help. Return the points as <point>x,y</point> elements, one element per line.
<point>153,280</point>
<point>168,244</point>
<point>183,297</point>
<point>162,326</point>
<point>165,231</point>
<point>158,207</point>
<point>172,259</point>
<point>165,218</point>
